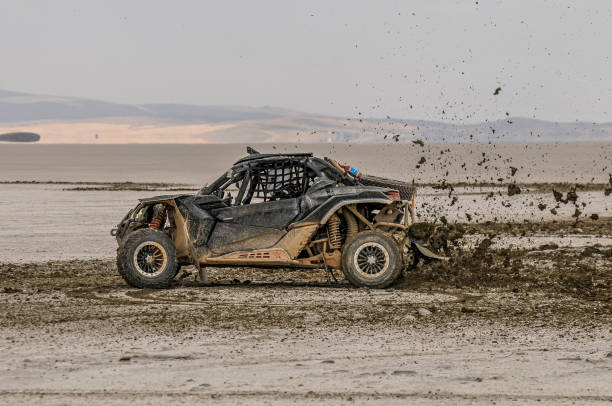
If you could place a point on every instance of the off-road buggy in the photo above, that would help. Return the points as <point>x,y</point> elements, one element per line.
<point>275,210</point>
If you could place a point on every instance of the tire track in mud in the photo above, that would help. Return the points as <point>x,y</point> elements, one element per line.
<point>271,360</point>
<point>149,296</point>
<point>316,305</point>
<point>300,395</point>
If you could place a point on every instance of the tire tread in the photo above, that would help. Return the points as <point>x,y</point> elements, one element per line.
<point>124,263</point>
<point>380,237</point>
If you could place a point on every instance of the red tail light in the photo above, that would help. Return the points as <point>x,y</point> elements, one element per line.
<point>394,194</point>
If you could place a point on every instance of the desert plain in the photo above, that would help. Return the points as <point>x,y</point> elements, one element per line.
<point>521,314</point>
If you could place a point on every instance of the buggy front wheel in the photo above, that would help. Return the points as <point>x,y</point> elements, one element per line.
<point>371,259</point>
<point>147,259</point>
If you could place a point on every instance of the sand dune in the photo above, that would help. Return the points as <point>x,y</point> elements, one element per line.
<point>121,131</point>
<point>71,120</point>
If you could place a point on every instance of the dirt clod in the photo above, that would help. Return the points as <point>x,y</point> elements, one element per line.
<point>549,246</point>
<point>590,251</point>
<point>513,189</point>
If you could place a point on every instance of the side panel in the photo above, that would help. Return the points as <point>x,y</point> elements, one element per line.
<point>198,222</point>
<point>229,237</point>
<point>254,226</point>
<point>297,238</point>
<point>277,214</point>
<point>284,252</point>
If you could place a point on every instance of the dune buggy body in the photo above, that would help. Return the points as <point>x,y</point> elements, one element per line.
<point>274,210</point>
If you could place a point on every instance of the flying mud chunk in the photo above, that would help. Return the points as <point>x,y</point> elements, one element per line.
<point>513,189</point>
<point>421,162</point>
<point>571,196</point>
<point>443,237</point>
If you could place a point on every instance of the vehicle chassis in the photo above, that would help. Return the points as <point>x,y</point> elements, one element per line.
<point>306,220</point>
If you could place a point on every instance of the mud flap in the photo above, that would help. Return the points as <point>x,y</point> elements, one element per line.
<point>426,252</point>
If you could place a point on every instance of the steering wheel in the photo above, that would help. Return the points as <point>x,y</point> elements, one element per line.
<point>289,190</point>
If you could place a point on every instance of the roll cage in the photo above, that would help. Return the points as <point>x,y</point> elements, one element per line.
<point>270,177</point>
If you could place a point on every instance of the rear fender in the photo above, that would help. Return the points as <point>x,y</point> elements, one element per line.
<point>331,209</point>
<point>344,203</point>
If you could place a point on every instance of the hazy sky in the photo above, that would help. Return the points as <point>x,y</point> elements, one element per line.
<point>444,58</point>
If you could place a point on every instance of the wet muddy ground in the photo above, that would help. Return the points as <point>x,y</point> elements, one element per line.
<point>522,312</point>
<point>530,326</point>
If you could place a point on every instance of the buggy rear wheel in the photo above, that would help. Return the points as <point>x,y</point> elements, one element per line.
<point>147,259</point>
<point>371,259</point>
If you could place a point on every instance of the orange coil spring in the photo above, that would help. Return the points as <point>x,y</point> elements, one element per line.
<point>158,220</point>
<point>333,230</point>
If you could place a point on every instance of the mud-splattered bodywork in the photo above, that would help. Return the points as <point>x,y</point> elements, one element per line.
<point>287,210</point>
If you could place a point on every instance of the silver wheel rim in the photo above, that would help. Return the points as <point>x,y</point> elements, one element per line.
<point>150,259</point>
<point>371,260</point>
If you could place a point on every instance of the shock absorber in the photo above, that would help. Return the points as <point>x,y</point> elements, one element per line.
<point>159,220</point>
<point>333,231</point>
<point>351,224</point>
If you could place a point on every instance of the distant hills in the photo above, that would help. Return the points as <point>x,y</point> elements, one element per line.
<point>18,107</point>
<point>68,120</point>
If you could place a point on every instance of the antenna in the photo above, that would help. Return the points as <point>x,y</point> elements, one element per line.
<point>252,151</point>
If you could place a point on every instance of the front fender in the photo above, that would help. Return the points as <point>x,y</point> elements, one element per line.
<point>132,221</point>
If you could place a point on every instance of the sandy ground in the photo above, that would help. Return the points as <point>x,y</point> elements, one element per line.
<point>528,325</point>
<point>72,331</point>
<point>118,131</point>
<point>521,315</point>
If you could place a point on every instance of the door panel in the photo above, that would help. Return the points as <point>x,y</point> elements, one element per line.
<point>277,214</point>
<point>252,226</point>
<point>229,237</point>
